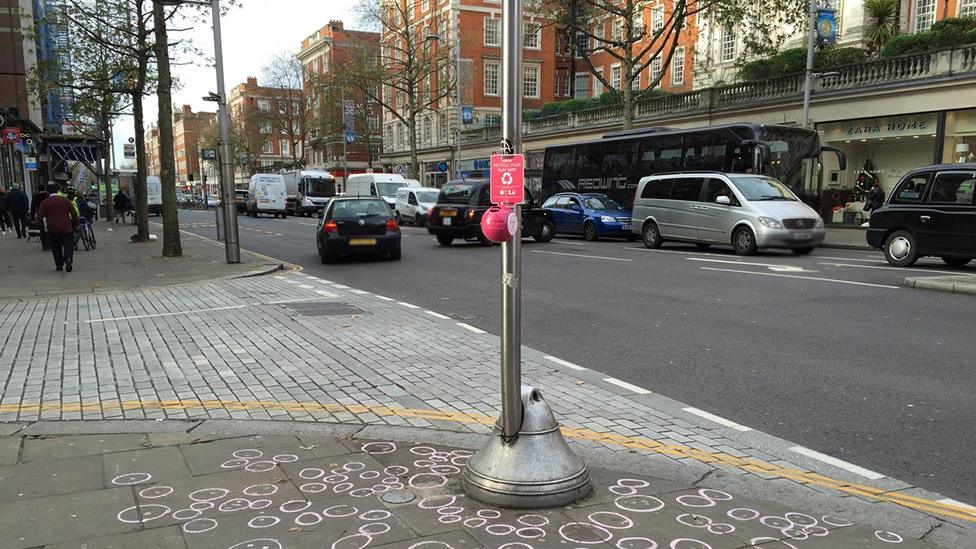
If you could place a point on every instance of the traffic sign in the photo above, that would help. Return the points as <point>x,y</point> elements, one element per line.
<point>442,167</point>
<point>11,135</point>
<point>350,137</point>
<point>400,169</point>
<point>507,179</point>
<point>211,154</point>
<point>30,163</point>
<point>128,150</point>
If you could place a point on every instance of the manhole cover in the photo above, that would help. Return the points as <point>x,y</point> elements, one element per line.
<point>400,496</point>
<point>327,308</point>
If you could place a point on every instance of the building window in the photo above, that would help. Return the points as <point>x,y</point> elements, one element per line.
<point>582,86</point>
<point>582,44</point>
<point>656,68</point>
<point>267,148</point>
<point>728,44</point>
<point>492,120</point>
<point>285,147</point>
<point>264,105</point>
<point>635,83</point>
<point>265,127</point>
<point>530,82</point>
<point>443,124</point>
<point>597,83</point>
<point>924,14</point>
<point>598,34</point>
<point>428,130</point>
<point>638,20</point>
<point>401,136</point>
<point>374,153</point>
<point>566,83</point>
<point>559,83</point>
<point>533,35</point>
<point>967,8</point>
<point>618,29</point>
<point>678,67</point>
<point>373,121</point>
<point>657,19</point>
<point>493,31</point>
<point>424,5</point>
<point>491,78</point>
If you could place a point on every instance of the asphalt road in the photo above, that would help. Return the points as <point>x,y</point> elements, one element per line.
<point>829,351</point>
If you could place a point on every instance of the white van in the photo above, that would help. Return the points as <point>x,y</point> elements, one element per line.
<point>266,195</point>
<point>413,203</point>
<point>384,185</point>
<point>154,195</point>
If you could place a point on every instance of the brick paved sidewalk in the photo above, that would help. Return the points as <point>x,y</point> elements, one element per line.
<point>199,491</point>
<point>298,348</point>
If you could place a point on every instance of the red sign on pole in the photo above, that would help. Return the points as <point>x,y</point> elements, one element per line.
<point>507,179</point>
<point>11,135</point>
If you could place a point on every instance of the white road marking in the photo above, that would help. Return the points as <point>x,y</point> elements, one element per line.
<point>471,328</point>
<point>358,292</point>
<point>324,281</point>
<point>583,256</point>
<point>770,266</point>
<point>893,268</point>
<point>157,315</point>
<point>628,386</point>
<point>306,286</point>
<point>383,297</point>
<point>341,287</point>
<point>851,259</point>
<point>717,419</point>
<point>324,293</point>
<point>950,501</point>
<point>670,251</point>
<point>408,305</point>
<point>851,282</point>
<point>565,363</point>
<point>568,242</point>
<point>866,473</point>
<point>291,281</point>
<point>438,315</point>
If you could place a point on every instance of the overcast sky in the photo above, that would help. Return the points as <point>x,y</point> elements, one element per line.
<point>252,35</point>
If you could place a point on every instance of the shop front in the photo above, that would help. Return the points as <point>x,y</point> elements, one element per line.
<point>884,149</point>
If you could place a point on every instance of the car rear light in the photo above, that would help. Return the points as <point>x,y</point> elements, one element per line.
<point>330,226</point>
<point>391,225</point>
<point>470,215</point>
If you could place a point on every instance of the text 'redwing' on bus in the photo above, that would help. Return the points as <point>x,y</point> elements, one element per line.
<point>615,164</point>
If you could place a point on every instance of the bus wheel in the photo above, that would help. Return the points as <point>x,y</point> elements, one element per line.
<point>743,241</point>
<point>652,236</point>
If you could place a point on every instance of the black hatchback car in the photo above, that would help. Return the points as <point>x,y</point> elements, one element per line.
<point>932,211</point>
<point>460,205</point>
<point>357,226</point>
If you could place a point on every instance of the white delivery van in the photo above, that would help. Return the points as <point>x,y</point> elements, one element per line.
<point>413,203</point>
<point>266,195</point>
<point>384,185</point>
<point>154,195</point>
<point>308,190</point>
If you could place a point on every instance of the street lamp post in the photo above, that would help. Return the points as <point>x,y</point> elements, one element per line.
<point>232,245</point>
<point>808,80</point>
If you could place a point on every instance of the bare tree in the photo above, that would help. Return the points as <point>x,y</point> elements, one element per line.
<point>291,108</point>
<point>409,73</point>
<point>247,136</point>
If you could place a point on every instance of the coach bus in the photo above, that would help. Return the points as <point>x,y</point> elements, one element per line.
<point>613,165</point>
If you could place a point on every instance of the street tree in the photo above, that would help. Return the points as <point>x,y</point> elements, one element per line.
<point>167,162</point>
<point>291,114</point>
<point>408,73</point>
<point>640,37</point>
<point>247,136</point>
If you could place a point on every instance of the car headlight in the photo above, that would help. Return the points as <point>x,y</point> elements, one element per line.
<point>306,201</point>
<point>770,222</point>
<point>608,219</point>
<point>820,222</point>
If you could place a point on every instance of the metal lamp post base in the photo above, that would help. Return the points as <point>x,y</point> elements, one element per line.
<point>535,470</point>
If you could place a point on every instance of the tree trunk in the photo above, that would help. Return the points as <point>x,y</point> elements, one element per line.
<point>106,166</point>
<point>142,190</point>
<point>167,171</point>
<point>414,159</point>
<point>628,106</point>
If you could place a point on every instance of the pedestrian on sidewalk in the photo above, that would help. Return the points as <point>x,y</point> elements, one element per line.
<point>5,220</point>
<point>121,204</point>
<point>58,214</point>
<point>17,205</point>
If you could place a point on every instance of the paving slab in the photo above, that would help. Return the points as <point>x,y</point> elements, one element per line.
<point>7,429</point>
<point>62,447</point>
<point>165,463</point>
<point>256,453</point>
<point>47,478</point>
<point>9,450</point>
<point>156,538</point>
<point>59,519</point>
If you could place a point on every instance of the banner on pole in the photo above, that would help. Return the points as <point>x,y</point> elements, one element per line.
<point>826,27</point>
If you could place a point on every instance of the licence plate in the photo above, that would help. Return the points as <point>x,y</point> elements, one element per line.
<point>802,236</point>
<point>448,213</point>
<point>625,226</point>
<point>446,221</point>
<point>362,241</point>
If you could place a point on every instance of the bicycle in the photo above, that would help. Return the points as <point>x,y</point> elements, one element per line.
<point>87,234</point>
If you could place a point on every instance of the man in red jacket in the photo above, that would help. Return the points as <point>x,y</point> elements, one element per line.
<point>60,217</point>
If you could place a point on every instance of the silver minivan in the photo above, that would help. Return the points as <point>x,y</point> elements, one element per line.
<point>748,212</point>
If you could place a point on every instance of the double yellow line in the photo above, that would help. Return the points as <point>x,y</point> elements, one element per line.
<point>636,443</point>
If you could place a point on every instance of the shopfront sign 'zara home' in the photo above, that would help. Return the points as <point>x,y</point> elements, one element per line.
<point>874,128</point>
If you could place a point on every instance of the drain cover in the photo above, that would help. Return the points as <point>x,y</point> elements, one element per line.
<point>326,308</point>
<point>399,496</point>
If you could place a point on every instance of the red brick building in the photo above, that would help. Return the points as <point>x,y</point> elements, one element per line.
<point>187,129</point>
<point>265,130</point>
<point>322,53</point>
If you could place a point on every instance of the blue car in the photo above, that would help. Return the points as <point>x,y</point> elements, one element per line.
<point>592,215</point>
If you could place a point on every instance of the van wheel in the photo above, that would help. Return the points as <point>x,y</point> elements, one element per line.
<point>546,233</point>
<point>900,249</point>
<point>652,236</point>
<point>444,240</point>
<point>956,261</point>
<point>589,232</point>
<point>743,241</point>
